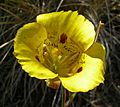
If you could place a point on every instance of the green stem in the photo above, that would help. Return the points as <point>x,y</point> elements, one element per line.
<point>63,102</point>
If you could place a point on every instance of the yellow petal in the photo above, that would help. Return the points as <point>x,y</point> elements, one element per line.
<point>27,41</point>
<point>92,71</point>
<point>84,32</point>
<point>31,35</point>
<point>36,69</point>
<point>75,26</point>
<point>97,50</point>
<point>58,22</point>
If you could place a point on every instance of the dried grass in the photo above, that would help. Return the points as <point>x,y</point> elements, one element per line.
<point>17,89</point>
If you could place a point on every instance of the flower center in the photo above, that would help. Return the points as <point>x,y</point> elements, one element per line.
<point>62,55</point>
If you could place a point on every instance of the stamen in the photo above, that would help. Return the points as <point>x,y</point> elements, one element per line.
<point>59,60</point>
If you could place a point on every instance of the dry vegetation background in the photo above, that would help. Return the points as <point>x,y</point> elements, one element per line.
<point>17,89</point>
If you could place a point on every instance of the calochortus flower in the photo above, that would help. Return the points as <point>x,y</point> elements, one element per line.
<point>60,47</point>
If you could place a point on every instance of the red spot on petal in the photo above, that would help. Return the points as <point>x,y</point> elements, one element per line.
<point>37,58</point>
<point>79,70</point>
<point>63,38</point>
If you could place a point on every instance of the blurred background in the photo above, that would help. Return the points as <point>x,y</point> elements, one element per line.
<point>17,89</point>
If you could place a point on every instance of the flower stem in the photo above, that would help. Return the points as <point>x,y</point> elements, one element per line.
<point>63,101</point>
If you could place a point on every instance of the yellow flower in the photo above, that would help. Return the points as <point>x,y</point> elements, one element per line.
<point>59,47</point>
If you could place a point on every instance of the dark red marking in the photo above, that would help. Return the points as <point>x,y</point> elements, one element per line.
<point>37,58</point>
<point>79,70</point>
<point>63,38</point>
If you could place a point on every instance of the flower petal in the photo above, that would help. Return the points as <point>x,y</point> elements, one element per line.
<point>84,32</point>
<point>58,22</point>
<point>97,50</point>
<point>75,26</point>
<point>92,71</point>
<point>31,35</point>
<point>26,43</point>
